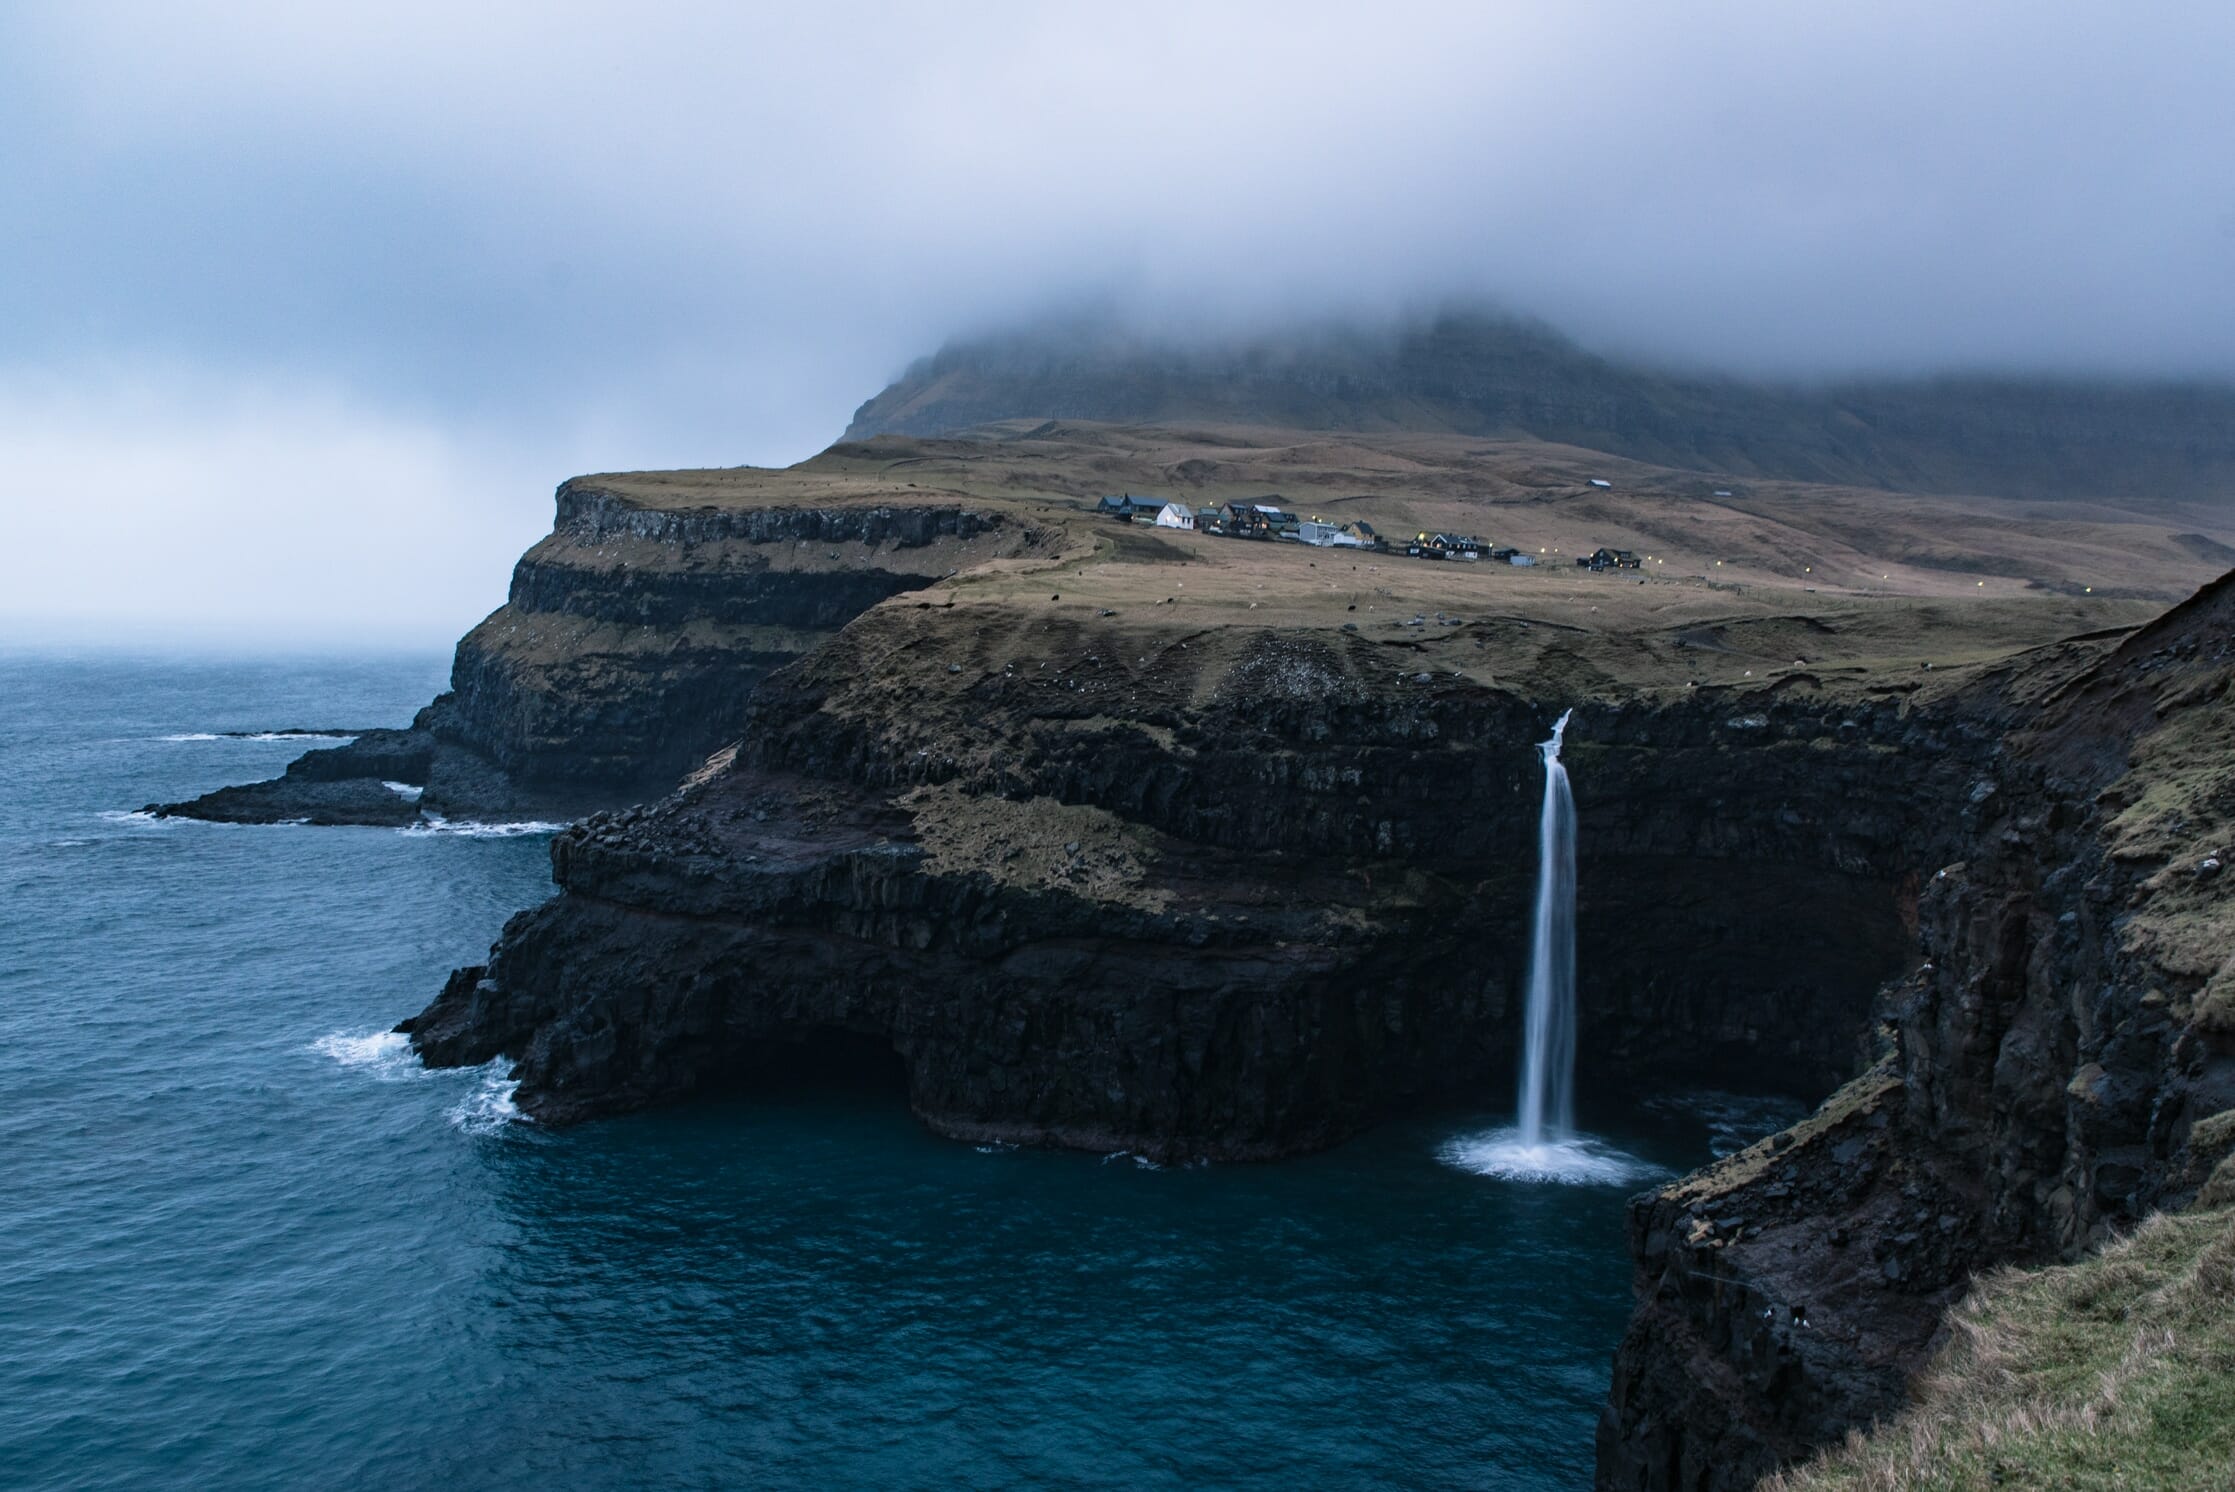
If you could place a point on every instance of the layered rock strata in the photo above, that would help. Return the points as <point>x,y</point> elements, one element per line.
<point>2069,1026</point>
<point>625,651</point>
<point>1238,893</point>
<point>1227,895</point>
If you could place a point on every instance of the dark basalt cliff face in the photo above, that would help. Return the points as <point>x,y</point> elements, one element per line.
<point>1215,897</point>
<point>2072,1021</point>
<point>1237,893</point>
<point>626,650</point>
<point>1137,874</point>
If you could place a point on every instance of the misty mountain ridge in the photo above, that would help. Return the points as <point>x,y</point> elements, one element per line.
<point>1480,374</point>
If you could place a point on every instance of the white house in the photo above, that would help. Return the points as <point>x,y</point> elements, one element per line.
<point>1601,482</point>
<point>1176,515</point>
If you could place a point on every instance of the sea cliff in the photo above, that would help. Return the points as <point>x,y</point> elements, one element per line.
<point>1088,835</point>
<point>627,647</point>
<point>2067,1029</point>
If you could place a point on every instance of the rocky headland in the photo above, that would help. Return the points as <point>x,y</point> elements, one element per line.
<point>625,652</point>
<point>1086,834</point>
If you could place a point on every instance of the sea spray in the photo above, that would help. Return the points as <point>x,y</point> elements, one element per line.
<point>1548,1044</point>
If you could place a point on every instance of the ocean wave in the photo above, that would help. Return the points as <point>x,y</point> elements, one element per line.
<point>1578,1160</point>
<point>128,816</point>
<point>488,1109</point>
<point>256,735</point>
<point>403,790</point>
<point>435,823</point>
<point>386,1055</point>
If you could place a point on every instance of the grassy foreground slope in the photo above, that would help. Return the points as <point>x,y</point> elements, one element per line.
<point>2115,1372</point>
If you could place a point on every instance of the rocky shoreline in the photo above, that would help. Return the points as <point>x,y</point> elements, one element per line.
<point>947,789</point>
<point>1185,933</point>
<point>624,653</point>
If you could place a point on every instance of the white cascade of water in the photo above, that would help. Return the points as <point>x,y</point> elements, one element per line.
<point>1548,1040</point>
<point>1542,1145</point>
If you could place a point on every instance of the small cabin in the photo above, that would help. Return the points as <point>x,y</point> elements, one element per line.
<point>1279,524</point>
<point>1322,534</point>
<point>1175,515</point>
<point>1247,521</point>
<point>1609,559</point>
<point>1518,558</point>
<point>1446,547</point>
<point>1601,482</point>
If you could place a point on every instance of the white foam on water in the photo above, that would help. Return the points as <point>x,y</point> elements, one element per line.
<point>128,816</point>
<point>253,735</point>
<point>403,790</point>
<point>435,823</point>
<point>1578,1160</point>
<point>386,1055</point>
<point>489,1108</point>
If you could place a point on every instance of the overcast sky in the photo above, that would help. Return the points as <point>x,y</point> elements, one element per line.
<point>303,315</point>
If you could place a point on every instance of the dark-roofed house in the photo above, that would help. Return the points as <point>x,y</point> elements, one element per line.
<point>1610,559</point>
<point>1247,521</point>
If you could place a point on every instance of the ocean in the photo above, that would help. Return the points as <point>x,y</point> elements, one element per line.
<point>246,1242</point>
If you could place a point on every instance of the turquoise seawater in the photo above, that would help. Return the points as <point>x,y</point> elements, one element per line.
<point>245,1242</point>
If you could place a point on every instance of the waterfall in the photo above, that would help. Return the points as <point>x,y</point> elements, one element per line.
<point>1548,1045</point>
<point>1542,1145</point>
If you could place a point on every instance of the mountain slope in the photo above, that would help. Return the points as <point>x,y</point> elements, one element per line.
<point>1479,375</point>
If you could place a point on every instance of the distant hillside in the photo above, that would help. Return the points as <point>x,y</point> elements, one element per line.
<point>1478,375</point>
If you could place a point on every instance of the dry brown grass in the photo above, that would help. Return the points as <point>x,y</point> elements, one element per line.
<point>1528,494</point>
<point>2116,1372</point>
<point>1807,587</point>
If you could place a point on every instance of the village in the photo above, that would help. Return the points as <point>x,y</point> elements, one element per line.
<point>1261,519</point>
